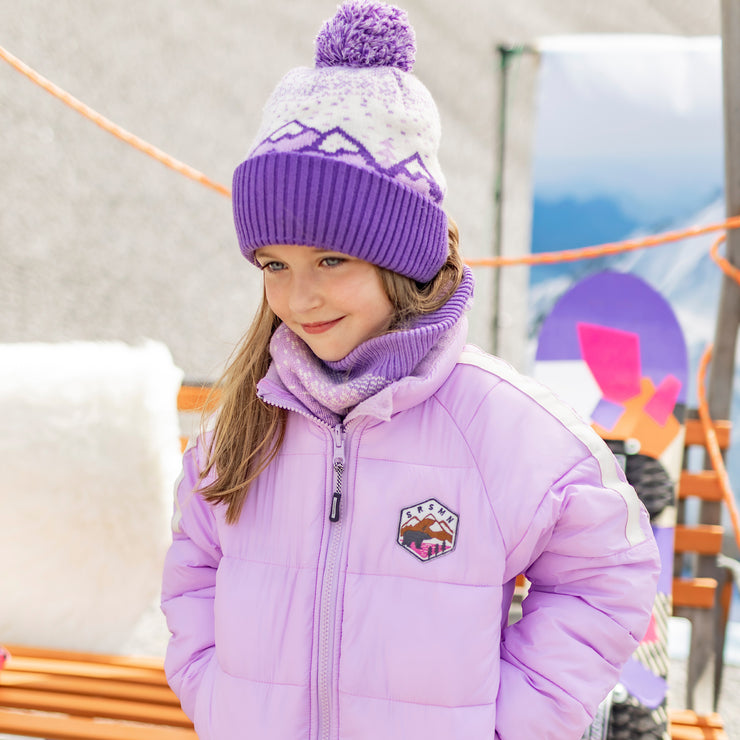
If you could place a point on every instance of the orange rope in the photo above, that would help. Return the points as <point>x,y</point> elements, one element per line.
<point>111,127</point>
<point>715,455</point>
<point>729,269</point>
<point>571,255</point>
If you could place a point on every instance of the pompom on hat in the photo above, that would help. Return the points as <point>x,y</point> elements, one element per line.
<point>346,154</point>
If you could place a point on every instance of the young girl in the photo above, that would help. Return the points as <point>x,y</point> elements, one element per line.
<point>348,533</point>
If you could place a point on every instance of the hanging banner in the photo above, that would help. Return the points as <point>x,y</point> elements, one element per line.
<point>629,142</point>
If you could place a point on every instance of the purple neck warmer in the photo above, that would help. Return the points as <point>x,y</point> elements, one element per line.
<point>329,390</point>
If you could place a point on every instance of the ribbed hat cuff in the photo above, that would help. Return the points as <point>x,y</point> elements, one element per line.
<point>289,198</point>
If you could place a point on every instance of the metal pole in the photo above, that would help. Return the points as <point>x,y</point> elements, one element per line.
<point>503,62</point>
<point>728,319</point>
<point>505,57</point>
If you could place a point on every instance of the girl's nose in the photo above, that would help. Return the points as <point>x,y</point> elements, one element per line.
<point>305,293</point>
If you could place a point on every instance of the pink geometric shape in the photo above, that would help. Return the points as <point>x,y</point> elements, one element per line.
<point>660,406</point>
<point>613,356</point>
<point>652,632</point>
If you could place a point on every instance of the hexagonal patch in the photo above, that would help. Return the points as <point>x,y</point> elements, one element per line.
<point>428,530</point>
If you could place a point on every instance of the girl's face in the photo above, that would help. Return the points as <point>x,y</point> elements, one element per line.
<point>330,300</point>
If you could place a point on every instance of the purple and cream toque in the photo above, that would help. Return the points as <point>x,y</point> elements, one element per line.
<point>346,159</point>
<point>346,154</point>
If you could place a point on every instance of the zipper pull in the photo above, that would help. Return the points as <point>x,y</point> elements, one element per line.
<point>338,432</point>
<point>337,497</point>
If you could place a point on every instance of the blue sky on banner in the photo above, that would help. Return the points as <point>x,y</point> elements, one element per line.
<point>634,120</point>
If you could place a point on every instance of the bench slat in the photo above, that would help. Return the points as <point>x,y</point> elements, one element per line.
<point>689,717</point>
<point>59,683</point>
<point>697,592</point>
<point>79,656</point>
<point>98,671</point>
<point>92,706</point>
<point>695,433</point>
<point>704,539</point>
<point>703,484</point>
<point>687,732</point>
<point>54,727</point>
<point>193,398</point>
<point>687,725</point>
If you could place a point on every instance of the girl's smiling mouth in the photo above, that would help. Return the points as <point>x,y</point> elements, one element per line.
<point>319,327</point>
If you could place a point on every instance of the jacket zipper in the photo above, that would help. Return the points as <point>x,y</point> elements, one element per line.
<point>328,603</point>
<point>328,608</point>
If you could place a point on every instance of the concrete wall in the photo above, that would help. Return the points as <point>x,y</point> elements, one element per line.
<point>97,241</point>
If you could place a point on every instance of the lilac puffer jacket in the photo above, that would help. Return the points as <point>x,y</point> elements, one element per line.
<point>364,592</point>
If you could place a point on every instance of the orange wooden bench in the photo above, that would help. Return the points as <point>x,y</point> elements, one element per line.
<point>65,695</point>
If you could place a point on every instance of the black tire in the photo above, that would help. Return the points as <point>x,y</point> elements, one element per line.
<point>629,721</point>
<point>648,477</point>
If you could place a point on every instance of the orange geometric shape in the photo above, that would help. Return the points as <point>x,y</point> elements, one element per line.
<point>635,423</point>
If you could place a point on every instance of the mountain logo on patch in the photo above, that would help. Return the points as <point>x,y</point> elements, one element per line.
<point>428,530</point>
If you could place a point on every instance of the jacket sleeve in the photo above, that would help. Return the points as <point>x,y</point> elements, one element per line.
<point>188,587</point>
<point>593,564</point>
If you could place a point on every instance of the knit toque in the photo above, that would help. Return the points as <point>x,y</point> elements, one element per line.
<point>346,155</point>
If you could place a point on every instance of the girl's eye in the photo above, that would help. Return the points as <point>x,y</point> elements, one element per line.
<point>332,261</point>
<point>273,266</point>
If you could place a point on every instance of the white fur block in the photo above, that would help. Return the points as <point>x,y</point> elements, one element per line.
<point>89,451</point>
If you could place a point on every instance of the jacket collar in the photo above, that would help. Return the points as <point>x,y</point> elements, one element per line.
<point>422,383</point>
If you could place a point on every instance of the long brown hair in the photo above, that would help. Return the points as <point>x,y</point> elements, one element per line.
<point>248,433</point>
